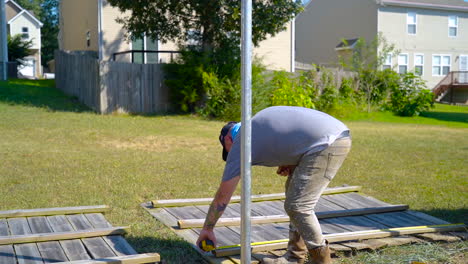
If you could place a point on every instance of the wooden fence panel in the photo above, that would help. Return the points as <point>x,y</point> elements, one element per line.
<point>108,86</point>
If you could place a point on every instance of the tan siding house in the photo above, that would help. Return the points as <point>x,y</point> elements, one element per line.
<point>21,21</point>
<point>91,25</point>
<point>431,35</point>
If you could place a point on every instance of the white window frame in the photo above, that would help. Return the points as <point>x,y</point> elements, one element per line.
<point>398,61</point>
<point>388,62</point>
<point>417,64</point>
<point>24,32</point>
<point>442,65</point>
<point>453,26</point>
<point>408,23</point>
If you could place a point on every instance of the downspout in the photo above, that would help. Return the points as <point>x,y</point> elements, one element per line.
<point>3,41</point>
<point>293,44</point>
<point>100,30</point>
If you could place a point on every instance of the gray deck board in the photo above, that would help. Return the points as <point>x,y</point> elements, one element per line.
<point>73,249</point>
<point>96,246</point>
<point>4,228</point>
<point>7,254</point>
<point>19,226</point>
<point>118,244</point>
<point>28,254</point>
<point>50,251</point>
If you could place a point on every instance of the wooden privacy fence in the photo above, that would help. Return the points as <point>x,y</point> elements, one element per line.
<point>108,86</point>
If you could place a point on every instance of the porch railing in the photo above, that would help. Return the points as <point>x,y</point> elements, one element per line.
<point>143,52</point>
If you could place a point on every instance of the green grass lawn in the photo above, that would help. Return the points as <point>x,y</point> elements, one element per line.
<point>55,152</point>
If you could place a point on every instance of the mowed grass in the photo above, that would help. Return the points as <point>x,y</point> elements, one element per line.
<point>55,152</point>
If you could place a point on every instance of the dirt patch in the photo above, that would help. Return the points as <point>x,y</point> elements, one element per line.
<point>158,143</point>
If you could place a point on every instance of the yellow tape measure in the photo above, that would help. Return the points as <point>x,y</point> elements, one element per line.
<point>207,245</point>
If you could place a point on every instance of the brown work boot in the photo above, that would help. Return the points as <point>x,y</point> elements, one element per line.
<point>296,253</point>
<point>320,255</point>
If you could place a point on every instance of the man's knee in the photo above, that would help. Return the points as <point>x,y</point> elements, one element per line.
<point>295,208</point>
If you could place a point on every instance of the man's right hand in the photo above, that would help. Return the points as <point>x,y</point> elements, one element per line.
<point>285,170</point>
<point>206,234</point>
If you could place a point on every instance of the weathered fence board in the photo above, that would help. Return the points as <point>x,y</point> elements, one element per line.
<point>108,86</point>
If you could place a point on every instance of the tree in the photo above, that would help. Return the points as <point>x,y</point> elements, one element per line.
<point>366,60</point>
<point>211,24</point>
<point>49,30</point>
<point>18,48</point>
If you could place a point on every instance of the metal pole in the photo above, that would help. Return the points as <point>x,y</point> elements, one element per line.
<point>3,42</point>
<point>246,128</point>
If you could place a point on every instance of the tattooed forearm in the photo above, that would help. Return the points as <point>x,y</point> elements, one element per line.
<point>214,213</point>
<point>221,207</point>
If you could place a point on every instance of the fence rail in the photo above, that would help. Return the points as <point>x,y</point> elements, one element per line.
<point>107,86</point>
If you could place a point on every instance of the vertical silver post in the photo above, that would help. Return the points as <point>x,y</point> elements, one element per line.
<point>246,128</point>
<point>3,42</point>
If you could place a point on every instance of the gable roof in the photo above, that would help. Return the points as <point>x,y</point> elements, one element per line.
<point>452,5</point>
<point>347,44</point>
<point>23,12</point>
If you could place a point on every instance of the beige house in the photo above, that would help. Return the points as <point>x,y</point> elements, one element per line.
<point>431,35</point>
<point>21,21</point>
<point>90,25</point>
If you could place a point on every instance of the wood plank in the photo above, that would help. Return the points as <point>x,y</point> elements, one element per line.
<point>341,200</point>
<point>7,254</point>
<point>348,236</point>
<point>96,246</point>
<point>98,220</point>
<point>165,217</point>
<point>397,219</point>
<point>59,223</point>
<point>18,226</point>
<point>28,254</point>
<point>118,244</point>
<point>186,212</point>
<point>437,237</point>
<point>430,219</point>
<point>356,223</point>
<point>236,199</point>
<point>79,222</point>
<point>74,249</point>
<point>18,239</point>
<point>131,259</point>
<point>366,201</point>
<point>50,251</point>
<point>54,211</point>
<point>4,228</point>
<point>267,208</point>
<point>235,221</point>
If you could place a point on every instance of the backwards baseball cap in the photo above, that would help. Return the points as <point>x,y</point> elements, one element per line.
<point>224,132</point>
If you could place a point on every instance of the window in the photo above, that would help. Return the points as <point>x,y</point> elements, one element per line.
<point>419,64</point>
<point>402,63</point>
<point>411,23</point>
<point>388,62</point>
<point>453,26</point>
<point>88,39</point>
<point>25,33</point>
<point>440,65</point>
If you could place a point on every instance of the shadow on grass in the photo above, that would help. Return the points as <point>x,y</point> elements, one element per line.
<point>447,116</point>
<point>42,94</point>
<point>449,215</point>
<point>171,251</point>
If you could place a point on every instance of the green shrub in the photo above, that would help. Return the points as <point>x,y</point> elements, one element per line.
<point>221,96</point>
<point>288,91</point>
<point>328,98</point>
<point>411,97</point>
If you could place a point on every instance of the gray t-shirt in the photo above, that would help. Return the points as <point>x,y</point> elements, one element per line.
<point>281,135</point>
